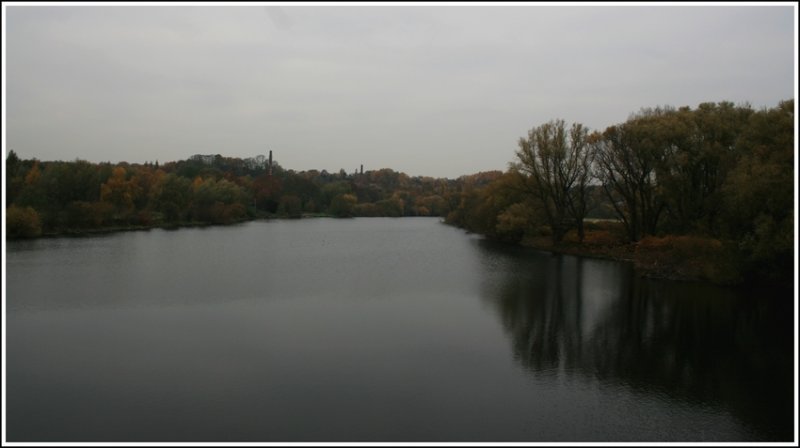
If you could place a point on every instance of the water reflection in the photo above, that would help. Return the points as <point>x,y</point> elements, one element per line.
<point>378,330</point>
<point>696,343</point>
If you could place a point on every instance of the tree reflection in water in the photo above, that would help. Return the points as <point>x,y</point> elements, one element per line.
<point>696,343</point>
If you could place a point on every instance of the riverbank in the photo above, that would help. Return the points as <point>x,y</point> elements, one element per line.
<point>79,232</point>
<point>681,258</point>
<point>91,231</point>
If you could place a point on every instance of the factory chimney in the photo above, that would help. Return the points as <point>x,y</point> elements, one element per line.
<point>270,163</point>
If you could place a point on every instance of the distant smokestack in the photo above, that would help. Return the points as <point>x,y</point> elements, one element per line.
<point>362,168</point>
<point>270,163</point>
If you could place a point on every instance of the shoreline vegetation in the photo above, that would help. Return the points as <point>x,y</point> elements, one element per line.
<point>665,258</point>
<point>677,258</point>
<point>689,194</point>
<point>81,232</point>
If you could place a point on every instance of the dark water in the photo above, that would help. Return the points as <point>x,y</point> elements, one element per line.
<point>379,330</point>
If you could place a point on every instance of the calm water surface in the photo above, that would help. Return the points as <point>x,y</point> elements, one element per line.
<point>378,330</point>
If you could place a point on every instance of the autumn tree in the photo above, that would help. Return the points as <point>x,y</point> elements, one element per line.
<point>430,205</point>
<point>627,157</point>
<point>301,187</point>
<point>22,222</point>
<point>120,192</point>
<point>343,205</point>
<point>516,212</point>
<point>700,149</point>
<point>497,205</point>
<point>290,206</point>
<point>267,191</point>
<point>758,194</point>
<point>556,162</point>
<point>218,202</point>
<point>331,190</point>
<point>170,196</point>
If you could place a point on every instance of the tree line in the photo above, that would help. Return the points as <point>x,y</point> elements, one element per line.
<point>77,196</point>
<point>717,178</point>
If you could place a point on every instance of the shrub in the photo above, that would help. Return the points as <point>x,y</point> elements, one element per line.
<point>689,257</point>
<point>342,206</point>
<point>22,222</point>
<point>368,210</point>
<point>513,222</point>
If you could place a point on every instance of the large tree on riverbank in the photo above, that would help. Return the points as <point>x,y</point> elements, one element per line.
<point>627,157</point>
<point>555,163</point>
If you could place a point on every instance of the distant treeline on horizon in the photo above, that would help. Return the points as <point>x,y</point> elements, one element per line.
<point>64,196</point>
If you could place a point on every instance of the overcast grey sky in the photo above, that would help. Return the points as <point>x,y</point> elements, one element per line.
<point>428,90</point>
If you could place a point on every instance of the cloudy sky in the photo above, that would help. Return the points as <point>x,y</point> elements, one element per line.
<point>428,90</point>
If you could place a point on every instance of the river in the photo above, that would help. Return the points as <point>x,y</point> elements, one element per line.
<point>379,330</point>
